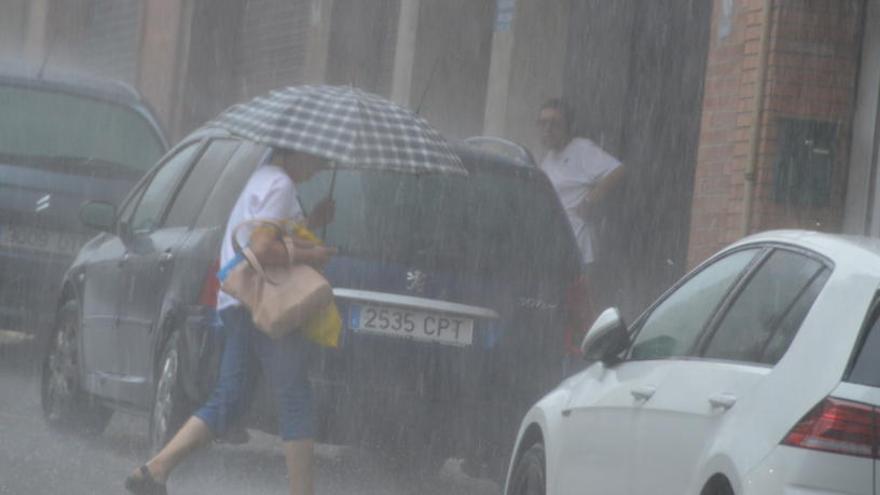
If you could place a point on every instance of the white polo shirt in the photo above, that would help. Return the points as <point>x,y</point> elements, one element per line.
<point>269,194</point>
<point>574,172</point>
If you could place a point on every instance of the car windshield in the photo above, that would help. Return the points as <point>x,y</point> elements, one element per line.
<point>486,221</point>
<point>37,125</point>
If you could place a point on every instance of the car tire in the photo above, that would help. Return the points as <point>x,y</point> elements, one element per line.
<point>66,406</point>
<point>170,405</point>
<point>529,476</point>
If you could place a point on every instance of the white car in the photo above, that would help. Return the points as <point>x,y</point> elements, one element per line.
<point>757,373</point>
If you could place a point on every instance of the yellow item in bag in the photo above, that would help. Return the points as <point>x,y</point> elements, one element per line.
<point>324,327</point>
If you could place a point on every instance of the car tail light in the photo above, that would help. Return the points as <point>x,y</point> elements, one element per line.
<point>210,286</point>
<point>837,426</point>
<point>577,312</point>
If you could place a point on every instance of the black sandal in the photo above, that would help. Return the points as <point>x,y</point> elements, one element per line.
<point>145,485</point>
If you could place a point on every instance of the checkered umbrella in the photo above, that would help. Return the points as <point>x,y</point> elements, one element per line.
<point>348,126</point>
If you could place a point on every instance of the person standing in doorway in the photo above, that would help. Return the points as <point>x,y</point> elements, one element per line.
<point>583,174</point>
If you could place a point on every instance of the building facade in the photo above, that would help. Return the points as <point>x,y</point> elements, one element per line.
<point>469,66</point>
<point>787,130</point>
<point>731,116</point>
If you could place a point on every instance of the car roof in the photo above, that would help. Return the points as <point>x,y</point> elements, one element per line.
<point>74,83</point>
<point>848,249</point>
<point>497,163</point>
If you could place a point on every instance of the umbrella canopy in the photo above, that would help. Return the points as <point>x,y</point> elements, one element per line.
<point>350,127</point>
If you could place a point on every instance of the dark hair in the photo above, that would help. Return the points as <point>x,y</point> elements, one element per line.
<point>563,107</point>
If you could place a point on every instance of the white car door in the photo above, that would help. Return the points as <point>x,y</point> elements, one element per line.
<point>739,348</point>
<point>598,448</point>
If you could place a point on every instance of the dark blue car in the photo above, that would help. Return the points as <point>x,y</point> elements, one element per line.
<point>453,292</point>
<point>63,139</point>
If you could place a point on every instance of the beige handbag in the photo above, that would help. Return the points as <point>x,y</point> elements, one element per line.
<point>280,298</point>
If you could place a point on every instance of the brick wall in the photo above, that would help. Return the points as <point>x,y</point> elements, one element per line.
<point>811,74</point>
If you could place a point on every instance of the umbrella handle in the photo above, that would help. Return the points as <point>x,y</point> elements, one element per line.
<point>330,196</point>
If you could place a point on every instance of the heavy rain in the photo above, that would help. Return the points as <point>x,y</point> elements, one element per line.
<point>439,246</point>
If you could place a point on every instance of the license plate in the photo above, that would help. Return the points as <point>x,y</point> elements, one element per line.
<point>35,239</point>
<point>416,325</point>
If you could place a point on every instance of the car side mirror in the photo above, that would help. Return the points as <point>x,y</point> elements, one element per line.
<point>98,215</point>
<point>606,339</point>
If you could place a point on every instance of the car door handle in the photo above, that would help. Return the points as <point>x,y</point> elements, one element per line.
<point>722,401</point>
<point>643,392</point>
<point>165,259</point>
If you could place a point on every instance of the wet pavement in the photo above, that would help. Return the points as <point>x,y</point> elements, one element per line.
<point>35,460</point>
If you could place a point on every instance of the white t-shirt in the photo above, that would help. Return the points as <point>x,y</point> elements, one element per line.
<point>269,194</point>
<point>574,172</point>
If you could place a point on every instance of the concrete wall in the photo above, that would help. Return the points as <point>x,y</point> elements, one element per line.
<point>210,46</point>
<point>863,179</point>
<point>454,43</point>
<point>65,34</point>
<point>597,73</point>
<point>537,66</point>
<point>100,37</point>
<point>13,29</point>
<point>160,56</point>
<point>635,75</point>
<point>362,50</point>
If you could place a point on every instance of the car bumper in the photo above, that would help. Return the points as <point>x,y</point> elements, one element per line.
<point>29,287</point>
<point>794,471</point>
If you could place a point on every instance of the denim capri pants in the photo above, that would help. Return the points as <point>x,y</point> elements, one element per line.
<point>285,366</point>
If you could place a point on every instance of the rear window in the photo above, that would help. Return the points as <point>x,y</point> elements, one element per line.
<point>38,125</point>
<point>486,221</point>
<point>866,367</point>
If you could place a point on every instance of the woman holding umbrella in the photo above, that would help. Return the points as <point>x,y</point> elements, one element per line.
<point>314,126</point>
<point>269,194</point>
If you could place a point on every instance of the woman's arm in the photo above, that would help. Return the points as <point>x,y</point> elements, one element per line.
<point>322,213</point>
<point>270,250</point>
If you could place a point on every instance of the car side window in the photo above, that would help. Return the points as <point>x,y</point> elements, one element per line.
<point>866,367</point>
<point>199,183</point>
<point>791,323</point>
<point>674,326</point>
<point>148,212</point>
<point>768,310</point>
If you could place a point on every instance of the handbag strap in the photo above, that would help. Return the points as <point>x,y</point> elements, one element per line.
<point>236,246</point>
<point>252,259</point>
<point>249,254</point>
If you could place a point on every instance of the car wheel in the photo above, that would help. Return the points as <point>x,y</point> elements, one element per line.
<point>65,404</point>
<point>170,406</point>
<point>529,474</point>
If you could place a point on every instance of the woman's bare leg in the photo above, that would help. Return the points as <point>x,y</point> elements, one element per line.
<point>193,434</point>
<point>299,455</point>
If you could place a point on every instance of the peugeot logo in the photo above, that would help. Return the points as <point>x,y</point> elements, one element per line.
<point>415,281</point>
